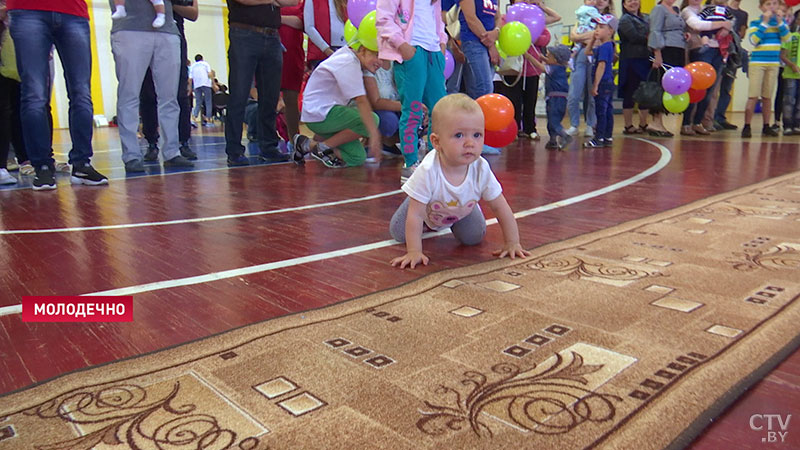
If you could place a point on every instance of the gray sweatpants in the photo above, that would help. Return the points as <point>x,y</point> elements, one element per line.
<point>469,230</point>
<point>134,52</point>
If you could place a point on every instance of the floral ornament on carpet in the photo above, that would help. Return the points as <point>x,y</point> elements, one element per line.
<point>548,401</point>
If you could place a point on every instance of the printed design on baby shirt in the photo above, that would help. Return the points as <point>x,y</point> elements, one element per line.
<point>442,214</point>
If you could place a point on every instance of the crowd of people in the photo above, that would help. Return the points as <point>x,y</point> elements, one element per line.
<point>354,95</point>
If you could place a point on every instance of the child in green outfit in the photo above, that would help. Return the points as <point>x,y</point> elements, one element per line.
<point>338,127</point>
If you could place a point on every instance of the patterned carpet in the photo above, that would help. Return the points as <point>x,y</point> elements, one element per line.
<point>630,337</point>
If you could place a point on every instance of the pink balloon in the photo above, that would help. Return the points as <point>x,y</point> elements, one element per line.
<point>357,9</point>
<point>543,39</point>
<point>449,64</point>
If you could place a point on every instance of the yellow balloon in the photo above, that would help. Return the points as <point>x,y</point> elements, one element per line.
<point>367,33</point>
<point>350,33</point>
<point>515,38</point>
<point>500,51</point>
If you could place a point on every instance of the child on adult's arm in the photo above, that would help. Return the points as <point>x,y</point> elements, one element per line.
<point>445,189</point>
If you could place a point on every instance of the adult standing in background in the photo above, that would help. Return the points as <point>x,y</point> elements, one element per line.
<point>136,45</point>
<point>148,103</point>
<point>323,21</point>
<point>580,79</point>
<point>479,31</point>
<point>200,73</point>
<point>255,51</point>
<point>291,32</point>
<point>634,62</point>
<point>710,53</point>
<point>740,23</point>
<point>668,42</point>
<point>37,25</point>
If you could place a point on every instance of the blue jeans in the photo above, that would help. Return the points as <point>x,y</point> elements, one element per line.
<point>202,98</point>
<point>694,113</point>
<point>791,103</point>
<point>556,108</point>
<point>252,53</point>
<point>604,110</point>
<point>478,71</point>
<point>34,33</point>
<point>579,83</point>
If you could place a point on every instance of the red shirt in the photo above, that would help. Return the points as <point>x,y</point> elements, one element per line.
<point>73,7</point>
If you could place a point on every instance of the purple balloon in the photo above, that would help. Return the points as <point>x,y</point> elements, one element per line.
<point>449,64</point>
<point>677,81</point>
<point>357,9</point>
<point>530,15</point>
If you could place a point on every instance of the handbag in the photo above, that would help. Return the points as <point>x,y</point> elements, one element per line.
<point>511,67</point>
<point>649,93</point>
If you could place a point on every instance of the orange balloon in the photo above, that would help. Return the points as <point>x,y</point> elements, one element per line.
<point>498,111</point>
<point>703,74</point>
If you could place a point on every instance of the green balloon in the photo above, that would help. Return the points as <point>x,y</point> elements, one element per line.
<point>675,103</point>
<point>367,33</point>
<point>515,38</point>
<point>350,33</point>
<point>500,51</point>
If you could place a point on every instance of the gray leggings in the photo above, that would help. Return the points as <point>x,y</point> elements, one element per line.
<point>469,230</point>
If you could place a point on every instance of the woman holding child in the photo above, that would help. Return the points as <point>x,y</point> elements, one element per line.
<point>634,63</point>
<point>580,80</point>
<point>706,50</point>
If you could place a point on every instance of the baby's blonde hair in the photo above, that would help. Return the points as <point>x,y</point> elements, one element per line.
<point>450,104</point>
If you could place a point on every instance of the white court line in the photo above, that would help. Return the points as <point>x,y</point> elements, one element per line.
<point>666,156</point>
<point>202,219</point>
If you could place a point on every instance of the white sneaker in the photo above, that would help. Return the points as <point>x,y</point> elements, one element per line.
<point>535,136</point>
<point>572,131</point>
<point>406,172</point>
<point>589,133</point>
<point>6,178</point>
<point>119,13</point>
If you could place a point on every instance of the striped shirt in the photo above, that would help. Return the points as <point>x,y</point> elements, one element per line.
<point>766,40</point>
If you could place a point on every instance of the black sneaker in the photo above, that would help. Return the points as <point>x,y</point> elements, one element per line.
<point>238,161</point>
<point>178,162</point>
<point>88,176</point>
<point>329,158</point>
<point>152,153</point>
<point>134,166</point>
<point>565,140</point>
<point>44,179</point>
<point>272,155</point>
<point>606,142</point>
<point>592,143</point>
<point>186,152</point>
<point>301,145</point>
<point>728,126</point>
<point>746,133</point>
<point>769,131</point>
<point>775,127</point>
<point>552,145</point>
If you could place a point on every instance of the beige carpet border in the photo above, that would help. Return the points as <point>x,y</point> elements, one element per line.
<point>686,424</point>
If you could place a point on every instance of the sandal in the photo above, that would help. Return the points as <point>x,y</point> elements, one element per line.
<point>630,129</point>
<point>659,133</point>
<point>643,128</point>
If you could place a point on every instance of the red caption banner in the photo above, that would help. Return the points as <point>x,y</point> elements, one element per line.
<point>77,309</point>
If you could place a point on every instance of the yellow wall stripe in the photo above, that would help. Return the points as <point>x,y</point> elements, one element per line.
<point>225,26</point>
<point>97,88</point>
<point>54,108</point>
